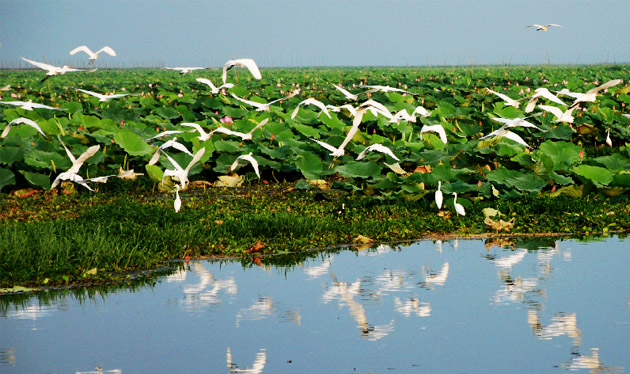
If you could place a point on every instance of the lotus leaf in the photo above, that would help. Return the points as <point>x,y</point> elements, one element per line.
<point>132,143</point>
<point>37,179</point>
<point>6,178</point>
<point>598,175</point>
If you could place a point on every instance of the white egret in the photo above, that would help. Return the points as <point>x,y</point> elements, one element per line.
<point>508,100</point>
<point>214,89</point>
<point>561,116</point>
<point>23,120</point>
<point>346,93</point>
<point>310,101</point>
<point>171,143</point>
<point>242,62</point>
<point>180,173</point>
<point>435,128</point>
<point>402,115</point>
<point>421,111</point>
<point>591,95</point>
<point>184,69</point>
<point>203,135</point>
<point>72,173</point>
<point>103,97</point>
<point>459,208</point>
<point>379,148</point>
<point>339,151</point>
<point>168,132</point>
<point>544,27</point>
<point>439,197</point>
<point>505,133</point>
<point>51,70</point>
<point>608,141</point>
<point>93,55</point>
<point>625,115</point>
<point>30,105</point>
<point>265,106</point>
<point>5,88</point>
<point>385,89</point>
<point>347,107</point>
<point>247,157</point>
<point>178,201</point>
<point>243,136</point>
<point>538,93</point>
<point>517,122</point>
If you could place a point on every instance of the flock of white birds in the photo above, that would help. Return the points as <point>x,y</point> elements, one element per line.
<point>180,174</point>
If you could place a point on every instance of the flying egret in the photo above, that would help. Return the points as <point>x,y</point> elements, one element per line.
<point>214,89</point>
<point>180,173</point>
<point>435,128</point>
<point>459,208</point>
<point>178,201</point>
<point>402,115</point>
<point>203,135</point>
<point>544,27</point>
<point>346,93</point>
<point>168,132</point>
<point>30,105</point>
<point>23,120</point>
<point>347,107</point>
<point>590,95</point>
<point>310,101</point>
<point>184,69</point>
<point>247,157</point>
<point>517,122</point>
<point>93,55</point>
<point>103,97</point>
<point>339,151</point>
<point>561,116</point>
<point>379,148</point>
<point>385,89</point>
<point>439,197</point>
<point>243,136</point>
<point>72,173</point>
<point>505,133</point>
<point>538,93</point>
<point>265,106</point>
<point>171,143</point>
<point>421,111</point>
<point>51,70</point>
<point>242,62</point>
<point>377,108</point>
<point>508,101</point>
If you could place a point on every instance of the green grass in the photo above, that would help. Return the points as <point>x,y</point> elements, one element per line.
<point>63,239</point>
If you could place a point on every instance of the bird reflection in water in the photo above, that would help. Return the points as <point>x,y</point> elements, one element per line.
<point>257,367</point>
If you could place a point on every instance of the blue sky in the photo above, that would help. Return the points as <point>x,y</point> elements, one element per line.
<point>307,33</point>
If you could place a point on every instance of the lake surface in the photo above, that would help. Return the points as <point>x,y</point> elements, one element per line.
<point>457,306</point>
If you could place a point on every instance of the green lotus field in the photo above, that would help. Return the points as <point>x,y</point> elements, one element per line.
<point>428,129</point>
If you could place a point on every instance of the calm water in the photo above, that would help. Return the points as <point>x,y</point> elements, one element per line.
<point>460,306</point>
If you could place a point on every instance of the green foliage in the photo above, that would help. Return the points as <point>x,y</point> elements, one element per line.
<point>6,178</point>
<point>132,144</point>
<point>560,154</point>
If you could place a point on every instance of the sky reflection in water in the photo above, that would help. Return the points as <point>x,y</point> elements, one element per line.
<point>453,306</point>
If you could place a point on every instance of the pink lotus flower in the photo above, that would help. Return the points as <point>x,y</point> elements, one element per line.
<point>227,119</point>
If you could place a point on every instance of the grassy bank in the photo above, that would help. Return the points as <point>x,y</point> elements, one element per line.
<point>49,239</point>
